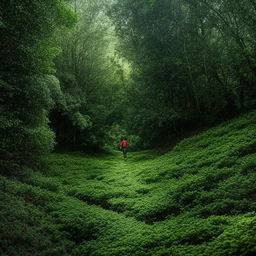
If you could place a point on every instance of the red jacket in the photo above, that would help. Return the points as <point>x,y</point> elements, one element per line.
<point>124,144</point>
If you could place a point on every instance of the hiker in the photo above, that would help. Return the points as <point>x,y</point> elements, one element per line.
<point>124,147</point>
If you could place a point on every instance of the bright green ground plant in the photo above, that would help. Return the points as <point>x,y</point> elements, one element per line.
<point>197,200</point>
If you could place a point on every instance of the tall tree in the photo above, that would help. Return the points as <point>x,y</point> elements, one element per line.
<point>193,62</point>
<point>89,78</point>
<point>28,47</point>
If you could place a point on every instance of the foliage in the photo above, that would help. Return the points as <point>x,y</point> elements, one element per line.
<point>196,200</point>
<point>28,47</point>
<point>176,65</point>
<point>89,80</point>
<point>117,133</point>
<point>192,62</point>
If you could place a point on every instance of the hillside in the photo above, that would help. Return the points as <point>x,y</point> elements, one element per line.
<point>197,200</point>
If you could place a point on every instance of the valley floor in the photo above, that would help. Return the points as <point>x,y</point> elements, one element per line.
<point>197,200</point>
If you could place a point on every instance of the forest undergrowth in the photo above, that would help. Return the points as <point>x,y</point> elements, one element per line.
<point>199,199</point>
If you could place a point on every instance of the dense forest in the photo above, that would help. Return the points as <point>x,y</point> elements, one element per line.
<point>82,73</point>
<point>79,75</point>
<point>96,70</point>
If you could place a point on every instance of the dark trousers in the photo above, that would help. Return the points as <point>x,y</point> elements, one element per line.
<point>124,152</point>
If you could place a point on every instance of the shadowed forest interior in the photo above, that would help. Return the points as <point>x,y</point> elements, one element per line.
<point>177,78</point>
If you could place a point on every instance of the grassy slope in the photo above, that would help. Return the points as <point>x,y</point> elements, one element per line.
<point>198,199</point>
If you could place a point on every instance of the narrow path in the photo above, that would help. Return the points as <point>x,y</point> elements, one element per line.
<point>107,181</point>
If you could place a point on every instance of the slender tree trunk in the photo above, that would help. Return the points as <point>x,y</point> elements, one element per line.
<point>194,96</point>
<point>74,138</point>
<point>241,97</point>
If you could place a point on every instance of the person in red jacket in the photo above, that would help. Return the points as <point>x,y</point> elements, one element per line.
<point>124,147</point>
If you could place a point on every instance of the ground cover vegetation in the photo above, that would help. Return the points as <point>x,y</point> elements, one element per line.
<point>198,199</point>
<point>76,76</point>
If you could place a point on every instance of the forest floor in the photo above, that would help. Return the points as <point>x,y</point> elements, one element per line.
<point>198,199</point>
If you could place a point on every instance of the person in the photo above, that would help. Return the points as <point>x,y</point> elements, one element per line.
<point>124,147</point>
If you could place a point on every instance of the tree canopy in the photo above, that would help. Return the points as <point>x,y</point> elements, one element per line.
<point>193,62</point>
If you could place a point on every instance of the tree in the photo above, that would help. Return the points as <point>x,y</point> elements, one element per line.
<point>89,78</point>
<point>28,47</point>
<point>193,62</point>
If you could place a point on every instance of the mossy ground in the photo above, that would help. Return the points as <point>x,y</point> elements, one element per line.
<point>198,199</point>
